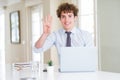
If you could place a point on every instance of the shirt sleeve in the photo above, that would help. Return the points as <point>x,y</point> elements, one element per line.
<point>37,50</point>
<point>50,40</point>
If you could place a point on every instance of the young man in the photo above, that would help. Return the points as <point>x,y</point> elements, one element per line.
<point>69,35</point>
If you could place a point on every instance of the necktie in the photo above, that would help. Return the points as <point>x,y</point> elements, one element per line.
<point>68,40</point>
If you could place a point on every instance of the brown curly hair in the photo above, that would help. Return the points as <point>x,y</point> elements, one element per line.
<point>67,8</point>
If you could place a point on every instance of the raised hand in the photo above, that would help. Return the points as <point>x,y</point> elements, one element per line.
<point>46,31</point>
<point>47,24</point>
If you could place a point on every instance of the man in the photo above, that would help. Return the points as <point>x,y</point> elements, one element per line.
<point>68,35</point>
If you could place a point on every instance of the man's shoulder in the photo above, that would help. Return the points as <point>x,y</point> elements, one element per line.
<point>82,31</point>
<point>56,33</point>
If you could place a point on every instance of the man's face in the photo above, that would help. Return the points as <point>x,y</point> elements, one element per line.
<point>67,20</point>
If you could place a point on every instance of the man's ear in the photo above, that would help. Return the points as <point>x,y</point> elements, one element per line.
<point>59,18</point>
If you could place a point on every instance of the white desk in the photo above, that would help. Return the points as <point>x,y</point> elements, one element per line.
<point>100,75</point>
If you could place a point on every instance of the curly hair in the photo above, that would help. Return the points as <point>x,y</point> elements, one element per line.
<point>67,8</point>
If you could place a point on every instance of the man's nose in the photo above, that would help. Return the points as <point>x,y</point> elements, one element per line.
<point>66,19</point>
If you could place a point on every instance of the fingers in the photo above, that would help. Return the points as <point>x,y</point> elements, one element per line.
<point>48,20</point>
<point>47,24</point>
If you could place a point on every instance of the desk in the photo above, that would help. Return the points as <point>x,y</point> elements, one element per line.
<point>99,75</point>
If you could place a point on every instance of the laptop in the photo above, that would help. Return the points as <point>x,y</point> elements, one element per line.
<point>78,59</point>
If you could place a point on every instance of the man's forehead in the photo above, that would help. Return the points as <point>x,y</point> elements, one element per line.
<point>67,11</point>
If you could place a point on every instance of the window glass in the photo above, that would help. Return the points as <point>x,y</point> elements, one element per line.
<point>86,18</point>
<point>37,29</point>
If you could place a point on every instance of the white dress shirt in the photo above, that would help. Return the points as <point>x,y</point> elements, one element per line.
<point>79,38</point>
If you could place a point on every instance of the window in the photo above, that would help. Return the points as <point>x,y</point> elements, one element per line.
<point>37,29</point>
<point>87,16</point>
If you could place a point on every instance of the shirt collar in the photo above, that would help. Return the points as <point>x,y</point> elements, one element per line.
<point>73,30</point>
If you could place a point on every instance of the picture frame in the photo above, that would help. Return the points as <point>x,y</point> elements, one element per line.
<point>15,27</point>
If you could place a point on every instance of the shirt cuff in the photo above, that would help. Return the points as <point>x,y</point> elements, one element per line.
<point>37,50</point>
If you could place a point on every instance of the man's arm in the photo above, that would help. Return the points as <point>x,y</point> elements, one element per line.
<point>41,41</point>
<point>46,31</point>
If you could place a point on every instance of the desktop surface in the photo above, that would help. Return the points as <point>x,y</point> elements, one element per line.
<point>98,75</point>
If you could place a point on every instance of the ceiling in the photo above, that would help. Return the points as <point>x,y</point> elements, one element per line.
<point>7,2</point>
<point>3,2</point>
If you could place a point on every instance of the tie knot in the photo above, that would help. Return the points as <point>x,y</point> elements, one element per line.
<point>68,33</point>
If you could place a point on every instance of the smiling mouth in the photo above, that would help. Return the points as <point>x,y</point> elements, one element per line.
<point>67,23</point>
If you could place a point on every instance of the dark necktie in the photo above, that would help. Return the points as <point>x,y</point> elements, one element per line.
<point>68,40</point>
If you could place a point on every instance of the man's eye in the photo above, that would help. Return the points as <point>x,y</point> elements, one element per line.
<point>62,16</point>
<point>70,16</point>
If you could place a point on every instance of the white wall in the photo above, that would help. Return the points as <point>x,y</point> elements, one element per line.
<point>109,34</point>
<point>15,52</point>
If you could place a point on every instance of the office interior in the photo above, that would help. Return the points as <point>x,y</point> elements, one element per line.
<point>106,32</point>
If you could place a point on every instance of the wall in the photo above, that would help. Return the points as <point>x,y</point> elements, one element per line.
<point>15,52</point>
<point>109,39</point>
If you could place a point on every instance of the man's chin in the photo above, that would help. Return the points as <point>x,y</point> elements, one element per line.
<point>67,28</point>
